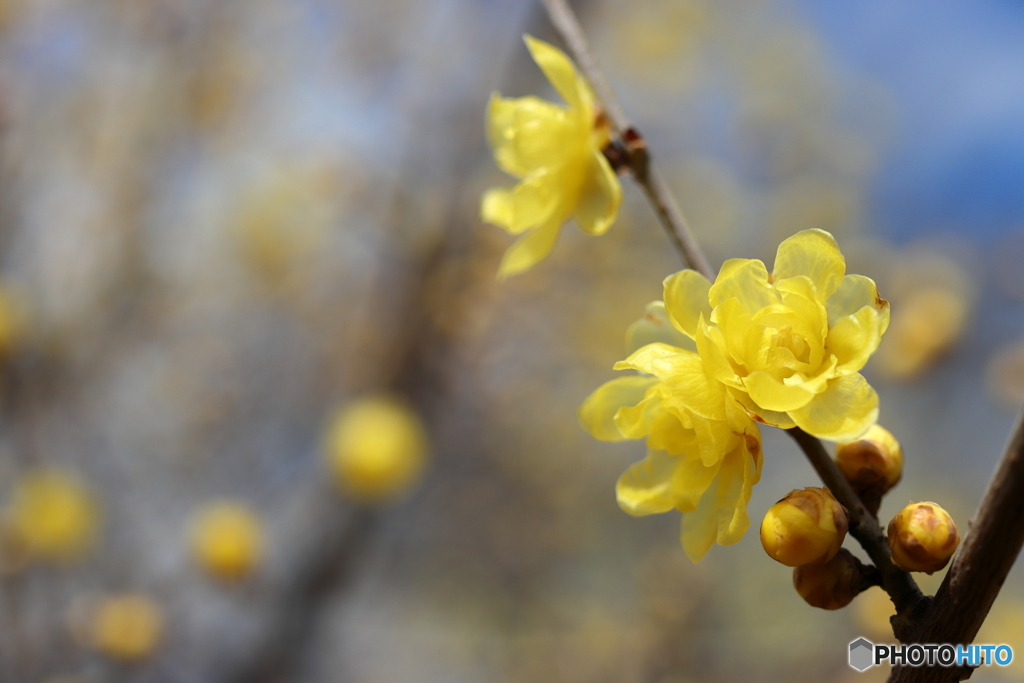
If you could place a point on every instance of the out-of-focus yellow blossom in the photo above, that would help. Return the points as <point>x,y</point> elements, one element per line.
<point>1005,376</point>
<point>126,627</point>
<point>922,538</point>
<point>704,452</point>
<point>376,449</point>
<point>227,540</point>
<point>54,514</point>
<point>556,151</point>
<point>789,345</point>
<point>930,321</point>
<point>805,527</point>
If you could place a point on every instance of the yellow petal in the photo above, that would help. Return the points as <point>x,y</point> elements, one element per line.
<point>854,338</point>
<point>745,280</point>
<point>653,327</point>
<point>699,529</point>
<point>854,293</point>
<point>597,414</point>
<point>844,411</point>
<point>813,253</point>
<point>522,208</point>
<point>711,347</point>
<point>646,487</point>
<point>529,134</point>
<point>600,196</point>
<point>668,433</point>
<point>763,415</point>
<point>773,394</point>
<point>634,422</point>
<point>690,480</point>
<point>561,72</point>
<point>684,373</point>
<point>686,299</point>
<point>529,249</point>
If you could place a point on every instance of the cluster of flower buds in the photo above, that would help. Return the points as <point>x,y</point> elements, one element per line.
<point>922,538</point>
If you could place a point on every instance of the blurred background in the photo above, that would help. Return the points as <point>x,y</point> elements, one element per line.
<point>239,242</point>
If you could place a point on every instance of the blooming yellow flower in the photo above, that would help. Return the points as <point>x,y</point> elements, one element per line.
<point>227,540</point>
<point>53,514</point>
<point>376,449</point>
<point>704,451</point>
<point>789,345</point>
<point>556,151</point>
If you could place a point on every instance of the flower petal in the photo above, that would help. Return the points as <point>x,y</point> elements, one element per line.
<point>683,372</point>
<point>740,471</point>
<point>763,415</point>
<point>745,280</point>
<point>686,299</point>
<point>813,253</point>
<point>699,529</point>
<point>844,411</point>
<point>711,347</point>
<point>854,338</point>
<point>597,413</point>
<point>600,196</point>
<point>522,208</point>
<point>529,249</point>
<point>653,327</point>
<point>854,293</point>
<point>773,394</point>
<point>529,134</point>
<point>646,487</point>
<point>561,72</point>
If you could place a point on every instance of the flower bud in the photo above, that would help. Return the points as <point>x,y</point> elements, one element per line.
<point>834,584</point>
<point>922,538</point>
<point>805,527</point>
<point>873,463</point>
<point>227,540</point>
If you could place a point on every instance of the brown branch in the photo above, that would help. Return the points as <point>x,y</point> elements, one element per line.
<point>639,161</point>
<point>988,552</point>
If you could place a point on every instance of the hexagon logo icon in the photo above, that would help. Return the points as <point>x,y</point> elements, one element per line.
<point>861,654</point>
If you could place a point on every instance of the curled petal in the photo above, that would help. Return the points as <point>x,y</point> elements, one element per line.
<point>844,411</point>
<point>653,327</point>
<point>699,529</point>
<point>854,293</point>
<point>745,280</point>
<point>600,196</point>
<point>523,207</point>
<point>813,253</point>
<point>854,338</point>
<point>646,487</point>
<point>597,414</point>
<point>774,394</point>
<point>684,373</point>
<point>529,134</point>
<point>529,249</point>
<point>559,70</point>
<point>686,299</point>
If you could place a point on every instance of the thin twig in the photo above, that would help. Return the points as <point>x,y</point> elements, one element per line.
<point>639,161</point>
<point>906,596</point>
<point>977,574</point>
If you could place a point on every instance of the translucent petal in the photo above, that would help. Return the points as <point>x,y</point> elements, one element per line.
<point>690,480</point>
<point>813,253</point>
<point>854,338</point>
<point>522,208</point>
<point>763,415</point>
<point>529,249</point>
<point>711,347</point>
<point>667,433</point>
<point>773,394</point>
<point>646,487</point>
<point>600,196</point>
<point>529,134</point>
<point>744,468</point>
<point>683,373</point>
<point>686,299</point>
<point>854,293</point>
<point>653,327</point>
<point>597,414</point>
<point>844,411</point>
<point>561,72</point>
<point>699,529</point>
<point>745,280</point>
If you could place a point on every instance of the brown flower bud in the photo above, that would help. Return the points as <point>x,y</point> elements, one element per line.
<point>922,538</point>
<point>805,527</point>
<point>873,463</point>
<point>836,583</point>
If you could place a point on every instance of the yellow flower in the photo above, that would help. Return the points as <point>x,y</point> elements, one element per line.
<point>704,451</point>
<point>54,515</point>
<point>227,540</point>
<point>376,449</point>
<point>556,151</point>
<point>126,627</point>
<point>789,345</point>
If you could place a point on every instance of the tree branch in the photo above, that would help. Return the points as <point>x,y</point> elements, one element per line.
<point>633,143</point>
<point>988,552</point>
